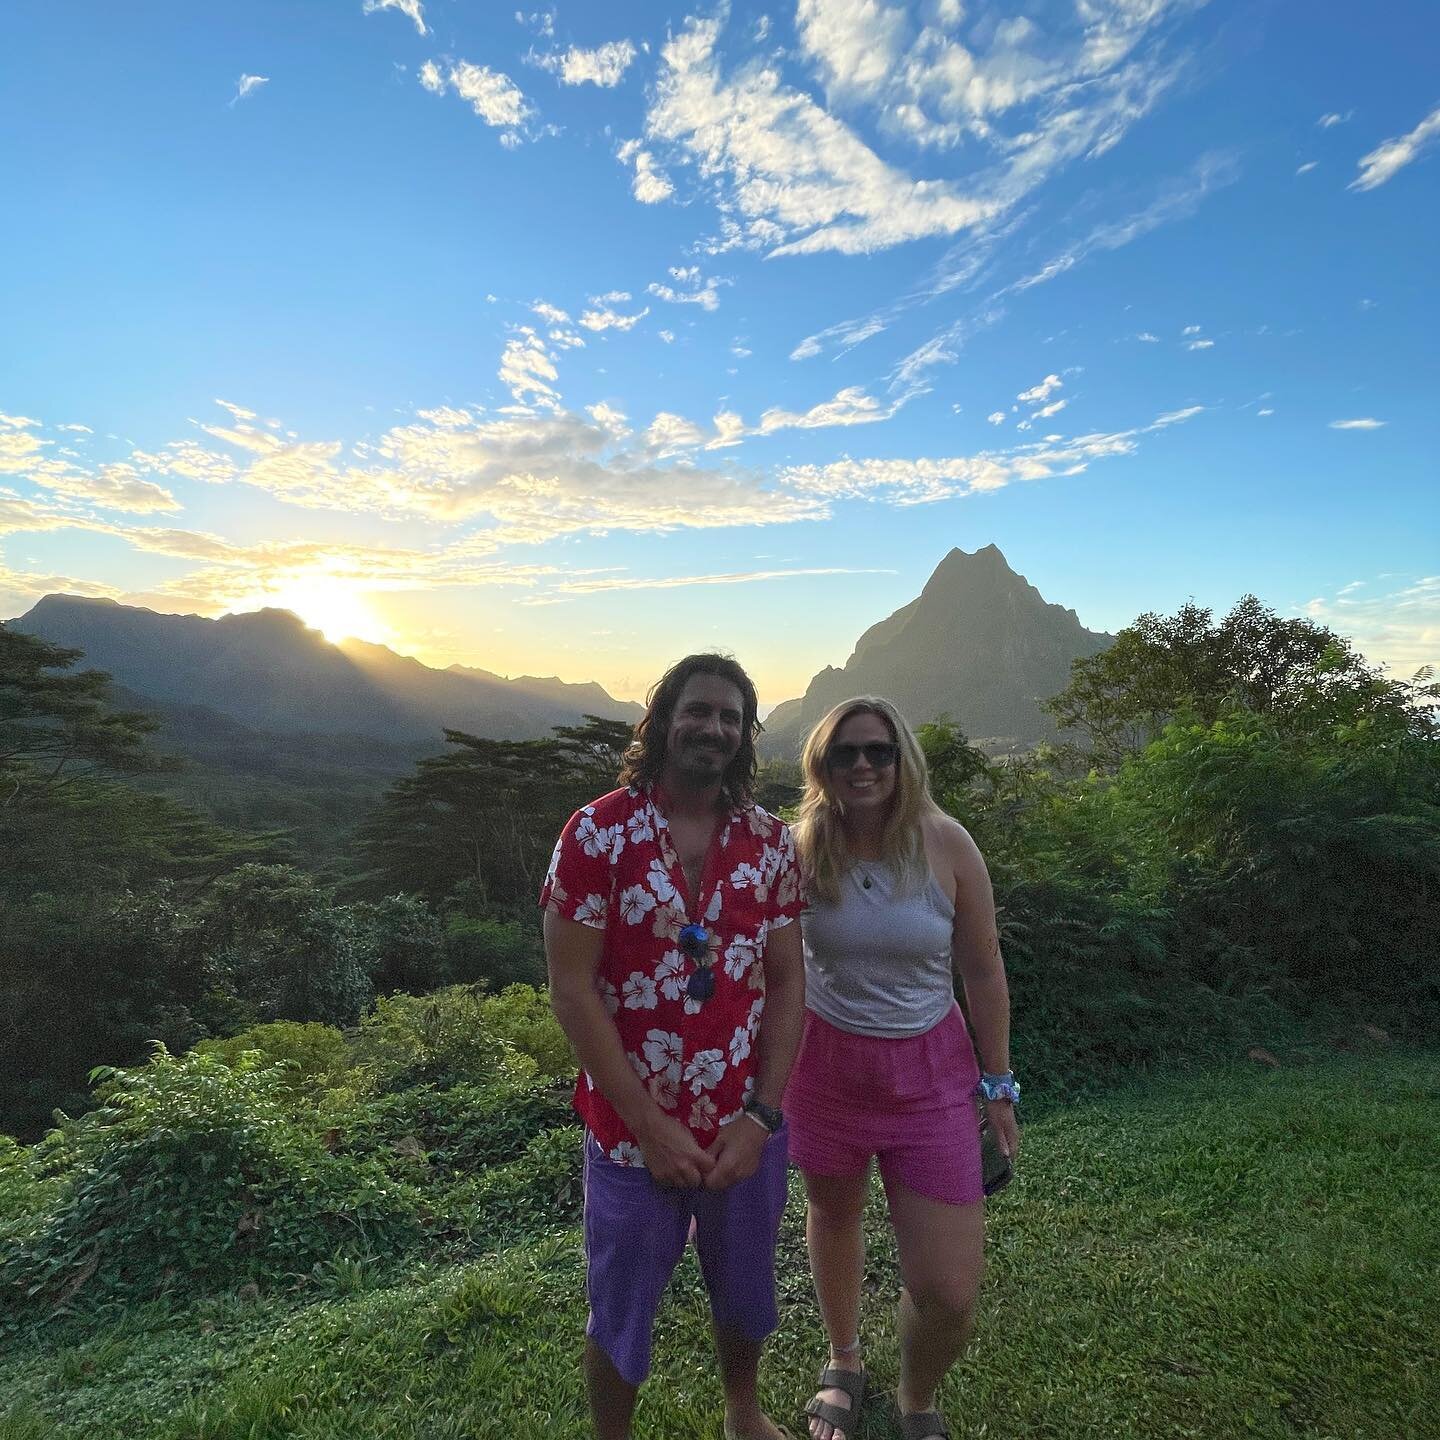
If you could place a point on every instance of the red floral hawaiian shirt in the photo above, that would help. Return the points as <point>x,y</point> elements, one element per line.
<point>615,869</point>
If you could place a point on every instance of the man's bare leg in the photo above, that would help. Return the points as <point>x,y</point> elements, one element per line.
<point>612,1398</point>
<point>740,1375</point>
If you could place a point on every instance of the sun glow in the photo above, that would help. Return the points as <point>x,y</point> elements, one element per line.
<point>338,609</point>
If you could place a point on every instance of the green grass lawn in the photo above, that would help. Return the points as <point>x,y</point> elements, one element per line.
<point>1249,1253</point>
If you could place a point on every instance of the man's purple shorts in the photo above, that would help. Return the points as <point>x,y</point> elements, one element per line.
<point>635,1234</point>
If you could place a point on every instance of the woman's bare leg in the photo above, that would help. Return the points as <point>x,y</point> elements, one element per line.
<point>834,1214</point>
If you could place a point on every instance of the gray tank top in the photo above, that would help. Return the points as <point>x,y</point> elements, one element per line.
<point>878,962</point>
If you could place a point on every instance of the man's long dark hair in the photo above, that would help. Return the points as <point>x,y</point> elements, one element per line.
<point>645,755</point>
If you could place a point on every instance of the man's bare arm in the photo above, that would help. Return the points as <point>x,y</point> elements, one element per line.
<point>572,956</point>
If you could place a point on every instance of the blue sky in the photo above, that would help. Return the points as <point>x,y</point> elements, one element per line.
<point>569,340</point>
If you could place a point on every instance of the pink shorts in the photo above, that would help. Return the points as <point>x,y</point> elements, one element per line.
<point>908,1102</point>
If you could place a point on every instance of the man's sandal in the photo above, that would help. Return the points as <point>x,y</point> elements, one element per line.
<point>923,1424</point>
<point>853,1383</point>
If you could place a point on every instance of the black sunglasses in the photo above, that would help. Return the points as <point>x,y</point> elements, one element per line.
<point>880,754</point>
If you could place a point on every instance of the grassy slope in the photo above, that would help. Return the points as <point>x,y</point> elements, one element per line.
<point>1247,1254</point>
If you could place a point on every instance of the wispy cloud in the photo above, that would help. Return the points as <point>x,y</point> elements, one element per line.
<point>492,95</point>
<point>1307,167</point>
<point>675,582</point>
<point>1395,626</point>
<point>601,318</point>
<point>1364,423</point>
<point>698,290</point>
<point>413,9</point>
<point>1382,163</point>
<point>1200,345</point>
<point>650,185</point>
<point>1333,118</point>
<point>924,481</point>
<point>247,85</point>
<point>604,66</point>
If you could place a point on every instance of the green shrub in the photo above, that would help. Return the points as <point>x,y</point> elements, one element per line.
<point>493,952</point>
<point>318,1068</point>
<point>459,1131</point>
<point>521,1016</point>
<point>540,1188</point>
<point>439,1039</point>
<point>192,1176</point>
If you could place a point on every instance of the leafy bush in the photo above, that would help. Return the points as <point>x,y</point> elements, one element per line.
<point>493,952</point>
<point>439,1039</point>
<point>461,1035</point>
<point>521,1016</point>
<point>317,1060</point>
<point>456,1132</point>
<point>540,1188</point>
<point>191,1176</point>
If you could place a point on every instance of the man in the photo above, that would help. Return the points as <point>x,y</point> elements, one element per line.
<point>677,972</point>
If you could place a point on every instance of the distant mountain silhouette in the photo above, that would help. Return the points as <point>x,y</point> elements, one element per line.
<point>979,644</point>
<point>270,672</point>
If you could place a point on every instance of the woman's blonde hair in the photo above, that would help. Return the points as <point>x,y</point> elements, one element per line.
<point>819,828</point>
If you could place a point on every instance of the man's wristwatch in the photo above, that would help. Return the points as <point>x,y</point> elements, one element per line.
<point>999,1087</point>
<point>762,1114</point>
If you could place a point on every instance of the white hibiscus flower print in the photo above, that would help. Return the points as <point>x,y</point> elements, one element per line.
<point>628,1153</point>
<point>609,995</point>
<point>670,975</point>
<point>638,1065</point>
<point>636,902</point>
<point>705,1070</point>
<point>789,888</point>
<point>745,875</point>
<point>639,992</point>
<point>591,910</point>
<point>702,1114</point>
<point>712,911</point>
<point>740,1044</point>
<point>639,827</point>
<point>668,922</point>
<point>665,1087</point>
<point>663,1048</point>
<point>659,881</point>
<point>758,821</point>
<point>739,956</point>
<point>587,835</point>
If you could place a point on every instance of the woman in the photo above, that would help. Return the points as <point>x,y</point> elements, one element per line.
<point>900,902</point>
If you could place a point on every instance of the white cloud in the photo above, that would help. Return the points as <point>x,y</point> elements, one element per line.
<point>1364,423</point>
<point>411,8</point>
<point>1394,627</point>
<point>493,96</point>
<point>674,582</point>
<point>1307,167</point>
<point>1175,417</point>
<point>924,481</point>
<point>1191,330</point>
<point>612,297</point>
<point>799,180</point>
<point>1327,122</point>
<point>609,419</point>
<point>247,85</point>
<point>996,417</point>
<point>668,336</point>
<point>1382,162</point>
<point>602,318</point>
<point>1200,345</point>
<point>1038,394</point>
<point>527,370</point>
<point>650,185</point>
<point>1148,338</point>
<point>565,339</point>
<point>553,313</point>
<point>1268,411</point>
<point>851,406</point>
<point>604,66</point>
<point>704,294</point>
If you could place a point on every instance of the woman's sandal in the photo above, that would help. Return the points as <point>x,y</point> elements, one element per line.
<point>923,1424</point>
<point>853,1383</point>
